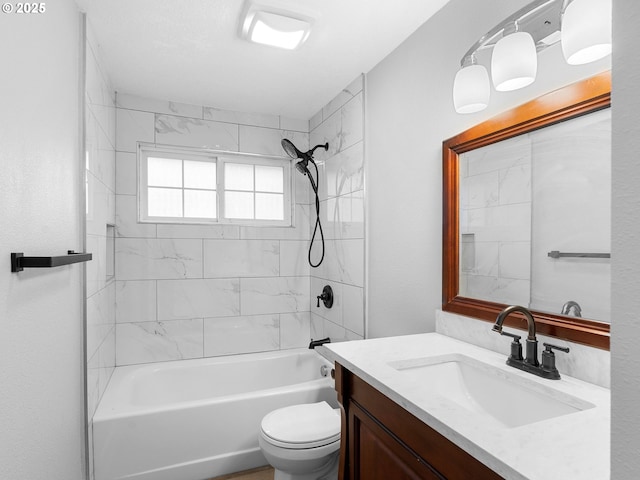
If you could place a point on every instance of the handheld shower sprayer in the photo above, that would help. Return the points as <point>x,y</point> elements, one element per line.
<point>303,167</point>
<point>305,157</point>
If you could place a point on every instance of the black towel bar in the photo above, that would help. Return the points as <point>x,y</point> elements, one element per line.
<point>19,262</point>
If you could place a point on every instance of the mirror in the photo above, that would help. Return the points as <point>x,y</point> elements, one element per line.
<point>527,214</point>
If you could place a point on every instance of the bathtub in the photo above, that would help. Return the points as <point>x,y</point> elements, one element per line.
<point>197,419</point>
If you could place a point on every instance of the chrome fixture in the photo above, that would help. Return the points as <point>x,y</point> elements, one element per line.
<point>568,306</point>
<point>530,363</point>
<point>558,254</point>
<point>583,27</point>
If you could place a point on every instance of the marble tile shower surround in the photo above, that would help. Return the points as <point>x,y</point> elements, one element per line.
<point>585,363</point>
<point>572,213</point>
<point>341,124</point>
<point>495,222</point>
<point>186,291</point>
<point>100,183</point>
<point>100,141</point>
<point>521,201</point>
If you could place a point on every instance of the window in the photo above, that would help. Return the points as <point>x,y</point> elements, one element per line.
<point>200,186</point>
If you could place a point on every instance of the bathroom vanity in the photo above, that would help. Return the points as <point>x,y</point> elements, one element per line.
<point>385,441</point>
<point>431,407</point>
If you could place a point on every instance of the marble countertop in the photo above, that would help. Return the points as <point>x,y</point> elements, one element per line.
<point>573,446</point>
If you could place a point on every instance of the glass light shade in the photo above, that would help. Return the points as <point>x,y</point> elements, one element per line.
<point>514,62</point>
<point>278,30</point>
<point>586,31</point>
<point>471,89</point>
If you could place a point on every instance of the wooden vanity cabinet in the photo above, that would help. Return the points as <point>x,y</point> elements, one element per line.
<point>382,441</point>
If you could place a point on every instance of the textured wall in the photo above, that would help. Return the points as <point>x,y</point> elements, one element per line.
<point>625,362</point>
<point>41,320</point>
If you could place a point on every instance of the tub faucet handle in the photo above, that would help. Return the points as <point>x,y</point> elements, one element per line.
<point>326,297</point>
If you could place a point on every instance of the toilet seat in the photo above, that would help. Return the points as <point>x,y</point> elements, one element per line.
<point>302,426</point>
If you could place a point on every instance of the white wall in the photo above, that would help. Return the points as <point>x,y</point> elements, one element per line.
<point>625,369</point>
<point>41,318</point>
<point>409,113</point>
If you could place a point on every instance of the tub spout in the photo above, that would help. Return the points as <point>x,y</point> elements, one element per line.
<point>317,343</point>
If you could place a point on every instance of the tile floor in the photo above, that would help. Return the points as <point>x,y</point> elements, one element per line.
<point>262,473</point>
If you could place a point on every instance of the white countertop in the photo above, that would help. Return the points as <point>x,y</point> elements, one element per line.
<point>574,446</point>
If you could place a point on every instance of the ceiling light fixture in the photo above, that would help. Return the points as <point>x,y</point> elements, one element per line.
<point>270,24</point>
<point>582,26</point>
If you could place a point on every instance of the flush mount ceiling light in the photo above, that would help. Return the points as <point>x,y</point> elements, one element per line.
<point>582,26</point>
<point>273,25</point>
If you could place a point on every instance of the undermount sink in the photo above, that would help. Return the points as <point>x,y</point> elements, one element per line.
<point>479,388</point>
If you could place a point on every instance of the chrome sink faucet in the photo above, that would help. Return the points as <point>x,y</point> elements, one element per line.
<point>568,306</point>
<point>530,362</point>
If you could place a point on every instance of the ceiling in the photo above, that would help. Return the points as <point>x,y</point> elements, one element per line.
<point>190,51</point>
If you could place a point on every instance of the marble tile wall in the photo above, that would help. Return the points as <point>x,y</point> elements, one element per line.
<point>495,222</point>
<point>572,213</point>
<point>100,140</point>
<point>188,291</point>
<point>544,191</point>
<point>341,123</point>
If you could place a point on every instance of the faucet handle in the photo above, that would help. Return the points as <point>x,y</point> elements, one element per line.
<point>516,338</point>
<point>516,347</point>
<point>549,360</point>
<point>548,347</point>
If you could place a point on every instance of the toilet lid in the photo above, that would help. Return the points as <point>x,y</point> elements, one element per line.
<point>303,424</point>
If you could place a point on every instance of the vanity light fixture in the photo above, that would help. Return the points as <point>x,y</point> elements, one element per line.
<point>583,27</point>
<point>271,24</point>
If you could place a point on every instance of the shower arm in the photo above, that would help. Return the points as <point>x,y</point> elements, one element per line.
<point>310,152</point>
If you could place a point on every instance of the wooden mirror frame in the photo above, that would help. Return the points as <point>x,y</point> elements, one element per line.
<point>569,102</point>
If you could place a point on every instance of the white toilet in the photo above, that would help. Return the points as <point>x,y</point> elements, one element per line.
<point>302,442</point>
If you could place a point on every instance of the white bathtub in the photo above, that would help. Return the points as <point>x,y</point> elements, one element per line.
<point>197,419</point>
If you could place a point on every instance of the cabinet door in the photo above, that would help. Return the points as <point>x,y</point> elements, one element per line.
<point>378,455</point>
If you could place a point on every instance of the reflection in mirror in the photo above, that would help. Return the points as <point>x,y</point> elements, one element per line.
<point>542,191</point>
<point>520,192</point>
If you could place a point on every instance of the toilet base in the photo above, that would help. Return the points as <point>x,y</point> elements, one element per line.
<point>329,471</point>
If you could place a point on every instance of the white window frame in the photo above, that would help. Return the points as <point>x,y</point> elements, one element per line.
<point>219,157</point>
